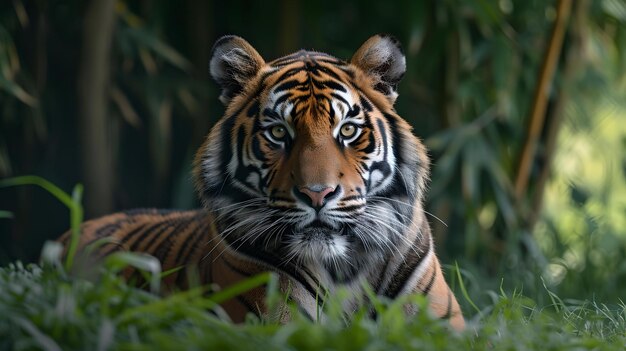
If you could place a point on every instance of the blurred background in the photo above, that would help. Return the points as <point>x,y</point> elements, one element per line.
<point>522,104</point>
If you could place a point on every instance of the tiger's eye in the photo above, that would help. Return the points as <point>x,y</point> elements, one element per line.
<point>348,130</point>
<point>278,132</point>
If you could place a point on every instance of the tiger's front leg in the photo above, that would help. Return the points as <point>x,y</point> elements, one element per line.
<point>442,302</point>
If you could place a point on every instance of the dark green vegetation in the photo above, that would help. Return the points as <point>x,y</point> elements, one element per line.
<point>530,185</point>
<point>44,308</point>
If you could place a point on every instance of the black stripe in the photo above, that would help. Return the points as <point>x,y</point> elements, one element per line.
<point>242,172</point>
<point>354,111</point>
<point>330,72</point>
<point>160,227</point>
<point>334,85</point>
<point>162,251</point>
<point>381,277</point>
<point>430,282</point>
<point>289,72</point>
<point>295,56</point>
<point>236,269</point>
<point>280,63</point>
<point>140,230</point>
<point>149,211</point>
<point>383,132</point>
<point>110,228</point>
<point>407,268</point>
<point>338,97</point>
<point>331,60</point>
<point>295,272</point>
<point>270,113</point>
<point>300,309</point>
<point>254,109</point>
<point>280,100</point>
<point>287,85</point>
<point>256,150</point>
<point>449,308</point>
<point>251,308</point>
<point>397,137</point>
<point>182,257</point>
<point>371,143</point>
<point>350,208</point>
<point>365,103</point>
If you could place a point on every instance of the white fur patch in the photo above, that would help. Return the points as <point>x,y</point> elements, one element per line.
<point>376,178</point>
<point>316,250</point>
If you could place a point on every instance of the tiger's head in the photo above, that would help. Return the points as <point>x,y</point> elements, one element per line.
<point>310,161</point>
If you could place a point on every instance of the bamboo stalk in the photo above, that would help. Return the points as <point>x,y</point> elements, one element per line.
<point>540,101</point>
<point>572,66</point>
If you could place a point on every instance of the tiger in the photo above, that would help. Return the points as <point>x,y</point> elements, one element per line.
<point>310,174</point>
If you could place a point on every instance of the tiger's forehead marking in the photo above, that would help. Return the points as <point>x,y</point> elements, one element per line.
<point>312,84</point>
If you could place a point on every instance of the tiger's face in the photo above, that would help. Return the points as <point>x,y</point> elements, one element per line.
<point>310,162</point>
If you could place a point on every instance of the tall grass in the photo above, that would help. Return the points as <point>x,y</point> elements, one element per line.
<point>44,308</point>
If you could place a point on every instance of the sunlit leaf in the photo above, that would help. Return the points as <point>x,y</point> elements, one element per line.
<point>125,107</point>
<point>615,8</point>
<point>144,263</point>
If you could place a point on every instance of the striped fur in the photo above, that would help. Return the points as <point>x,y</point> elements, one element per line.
<point>310,174</point>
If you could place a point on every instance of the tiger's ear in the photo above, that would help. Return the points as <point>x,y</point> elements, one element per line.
<point>381,57</point>
<point>234,62</point>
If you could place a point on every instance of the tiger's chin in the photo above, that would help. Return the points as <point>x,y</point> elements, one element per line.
<point>331,249</point>
<point>316,244</point>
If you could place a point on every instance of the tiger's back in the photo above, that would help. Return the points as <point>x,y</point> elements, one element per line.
<point>175,238</point>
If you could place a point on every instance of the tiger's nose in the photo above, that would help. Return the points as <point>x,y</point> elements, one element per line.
<point>316,195</point>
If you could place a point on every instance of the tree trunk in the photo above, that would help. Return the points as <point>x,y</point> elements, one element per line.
<point>93,90</point>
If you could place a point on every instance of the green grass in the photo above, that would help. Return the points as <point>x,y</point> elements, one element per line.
<point>44,307</point>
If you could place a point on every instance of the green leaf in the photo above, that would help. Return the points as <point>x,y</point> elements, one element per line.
<point>6,214</point>
<point>144,263</point>
<point>615,8</point>
<point>44,341</point>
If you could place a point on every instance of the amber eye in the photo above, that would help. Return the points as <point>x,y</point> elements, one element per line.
<point>348,130</point>
<point>278,132</point>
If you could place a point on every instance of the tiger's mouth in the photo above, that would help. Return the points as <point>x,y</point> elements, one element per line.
<point>320,230</point>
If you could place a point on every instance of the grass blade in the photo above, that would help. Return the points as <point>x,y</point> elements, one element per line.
<point>73,203</point>
<point>463,289</point>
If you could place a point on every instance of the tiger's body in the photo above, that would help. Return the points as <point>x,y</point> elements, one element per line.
<point>310,174</point>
